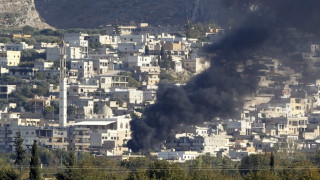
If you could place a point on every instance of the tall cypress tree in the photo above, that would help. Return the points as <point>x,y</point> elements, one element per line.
<point>34,163</point>
<point>20,152</point>
<point>147,50</point>
<point>272,161</point>
<point>116,27</point>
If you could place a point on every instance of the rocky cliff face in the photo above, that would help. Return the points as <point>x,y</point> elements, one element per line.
<point>20,13</point>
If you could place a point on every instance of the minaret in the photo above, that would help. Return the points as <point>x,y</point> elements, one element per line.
<point>63,86</point>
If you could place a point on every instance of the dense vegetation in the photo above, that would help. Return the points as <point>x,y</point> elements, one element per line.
<point>70,165</point>
<point>27,89</point>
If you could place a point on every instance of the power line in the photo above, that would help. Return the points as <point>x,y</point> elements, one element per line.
<point>148,169</point>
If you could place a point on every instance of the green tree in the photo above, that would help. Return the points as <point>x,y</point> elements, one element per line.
<point>46,156</point>
<point>169,62</point>
<point>164,76</point>
<point>165,170</point>
<point>20,151</point>
<point>162,52</point>
<point>7,173</point>
<point>133,82</point>
<point>188,28</point>
<point>29,30</point>
<point>47,32</point>
<point>31,55</point>
<point>96,109</point>
<point>42,89</point>
<point>69,172</point>
<point>147,50</point>
<point>316,159</point>
<point>26,64</point>
<point>299,170</point>
<point>71,110</point>
<point>5,40</point>
<point>60,32</point>
<point>55,104</point>
<point>254,163</point>
<point>40,76</point>
<point>95,45</point>
<point>49,110</point>
<point>272,161</point>
<point>34,173</point>
<point>136,163</point>
<point>116,27</point>
<point>166,59</point>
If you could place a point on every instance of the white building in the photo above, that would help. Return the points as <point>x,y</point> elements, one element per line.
<point>52,53</point>
<point>131,48</point>
<point>138,61</point>
<point>10,58</point>
<point>77,47</point>
<point>132,38</point>
<point>83,67</point>
<point>132,96</point>
<point>216,143</point>
<point>179,156</point>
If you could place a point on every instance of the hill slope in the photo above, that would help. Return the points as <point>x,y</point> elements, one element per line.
<point>94,13</point>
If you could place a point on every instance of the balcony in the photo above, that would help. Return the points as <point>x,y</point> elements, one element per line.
<point>82,144</point>
<point>82,136</point>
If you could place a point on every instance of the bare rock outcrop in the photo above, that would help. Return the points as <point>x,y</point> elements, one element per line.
<point>18,13</point>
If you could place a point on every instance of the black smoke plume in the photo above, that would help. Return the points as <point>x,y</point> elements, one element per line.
<point>261,29</point>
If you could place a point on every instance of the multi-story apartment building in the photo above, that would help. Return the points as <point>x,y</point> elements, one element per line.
<point>10,58</point>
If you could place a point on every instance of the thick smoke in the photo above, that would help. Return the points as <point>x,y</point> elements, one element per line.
<point>262,29</point>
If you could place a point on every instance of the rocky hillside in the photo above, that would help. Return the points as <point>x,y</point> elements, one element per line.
<point>15,13</point>
<point>95,13</point>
